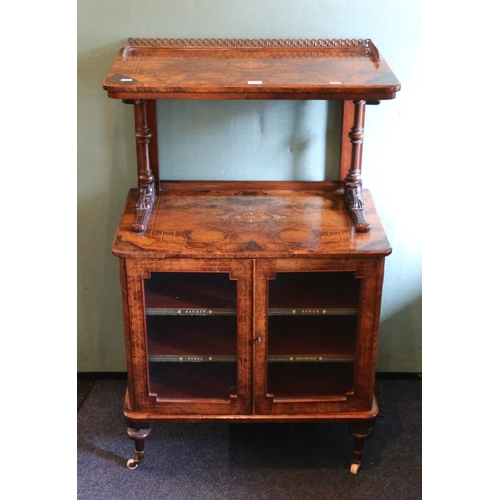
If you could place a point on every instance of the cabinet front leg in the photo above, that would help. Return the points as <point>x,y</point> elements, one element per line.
<point>138,436</point>
<point>360,432</point>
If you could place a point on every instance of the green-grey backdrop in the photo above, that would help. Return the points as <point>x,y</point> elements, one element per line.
<point>253,140</point>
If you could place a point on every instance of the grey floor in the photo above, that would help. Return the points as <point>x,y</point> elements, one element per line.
<point>232,461</point>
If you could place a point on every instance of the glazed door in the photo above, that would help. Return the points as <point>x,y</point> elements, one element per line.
<point>190,335</point>
<point>315,335</point>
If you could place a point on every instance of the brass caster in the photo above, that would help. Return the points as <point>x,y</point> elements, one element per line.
<point>132,463</point>
<point>355,467</point>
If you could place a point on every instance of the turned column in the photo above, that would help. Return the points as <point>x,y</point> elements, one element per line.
<point>146,180</point>
<point>353,185</point>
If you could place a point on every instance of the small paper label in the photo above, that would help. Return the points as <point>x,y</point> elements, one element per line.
<point>126,80</point>
<point>335,83</point>
<point>254,82</point>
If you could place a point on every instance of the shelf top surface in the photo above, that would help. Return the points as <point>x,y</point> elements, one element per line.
<point>246,220</point>
<point>161,68</point>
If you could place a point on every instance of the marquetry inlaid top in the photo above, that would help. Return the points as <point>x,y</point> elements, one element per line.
<point>336,69</point>
<point>248,220</point>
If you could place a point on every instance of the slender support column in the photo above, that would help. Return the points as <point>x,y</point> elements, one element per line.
<point>153,143</point>
<point>353,185</point>
<point>346,146</point>
<point>146,180</point>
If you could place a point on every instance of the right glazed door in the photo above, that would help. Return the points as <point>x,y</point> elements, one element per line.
<point>315,335</point>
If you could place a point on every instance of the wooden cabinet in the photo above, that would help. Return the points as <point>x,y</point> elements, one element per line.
<point>250,301</point>
<point>250,306</point>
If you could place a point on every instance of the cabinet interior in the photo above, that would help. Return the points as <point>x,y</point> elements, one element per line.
<point>192,331</point>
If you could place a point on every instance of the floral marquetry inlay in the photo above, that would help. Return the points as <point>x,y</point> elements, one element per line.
<point>254,217</point>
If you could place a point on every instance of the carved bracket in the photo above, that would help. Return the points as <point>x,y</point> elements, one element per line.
<point>356,207</point>
<point>144,206</point>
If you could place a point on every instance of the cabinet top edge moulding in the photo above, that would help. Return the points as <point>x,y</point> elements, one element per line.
<point>329,69</point>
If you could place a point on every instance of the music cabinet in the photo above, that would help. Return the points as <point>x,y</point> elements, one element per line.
<point>250,301</point>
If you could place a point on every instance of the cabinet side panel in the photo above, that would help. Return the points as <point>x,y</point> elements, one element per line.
<point>126,324</point>
<point>366,349</point>
<point>135,334</point>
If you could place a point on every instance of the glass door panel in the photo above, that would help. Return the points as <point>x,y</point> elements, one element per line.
<point>312,327</point>
<point>191,327</point>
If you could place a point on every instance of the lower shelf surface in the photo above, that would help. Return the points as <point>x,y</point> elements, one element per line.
<point>193,380</point>
<point>248,220</point>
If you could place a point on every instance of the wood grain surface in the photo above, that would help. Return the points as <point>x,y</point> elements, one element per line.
<point>196,219</point>
<point>250,69</point>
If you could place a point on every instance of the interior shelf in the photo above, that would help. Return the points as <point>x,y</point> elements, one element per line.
<point>312,293</point>
<point>309,380</point>
<point>190,294</point>
<point>189,336</point>
<point>199,311</point>
<point>180,381</point>
<point>312,339</point>
<point>187,339</point>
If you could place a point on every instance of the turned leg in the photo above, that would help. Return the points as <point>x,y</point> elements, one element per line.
<point>138,436</point>
<point>146,180</point>
<point>360,432</point>
<point>353,185</point>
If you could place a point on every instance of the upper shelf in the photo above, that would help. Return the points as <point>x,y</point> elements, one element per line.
<point>332,69</point>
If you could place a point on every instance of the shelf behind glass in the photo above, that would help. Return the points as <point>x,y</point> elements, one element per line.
<point>309,380</point>
<point>333,338</point>
<point>192,336</point>
<point>186,381</point>
<point>190,293</point>
<point>314,293</point>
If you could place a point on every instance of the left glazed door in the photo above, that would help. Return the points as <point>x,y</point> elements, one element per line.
<point>188,334</point>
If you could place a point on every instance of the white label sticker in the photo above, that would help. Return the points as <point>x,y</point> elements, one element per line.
<point>335,83</point>
<point>254,82</point>
<point>126,80</point>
